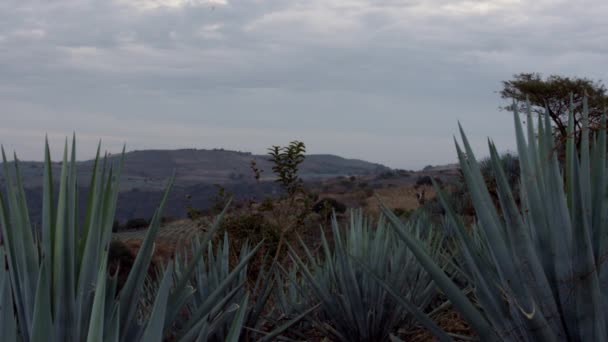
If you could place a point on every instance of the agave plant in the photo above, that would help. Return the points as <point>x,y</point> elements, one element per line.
<point>510,166</point>
<point>209,274</point>
<point>217,284</point>
<point>354,306</point>
<point>54,284</point>
<point>538,269</point>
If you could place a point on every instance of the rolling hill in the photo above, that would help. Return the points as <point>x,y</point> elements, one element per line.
<point>197,171</point>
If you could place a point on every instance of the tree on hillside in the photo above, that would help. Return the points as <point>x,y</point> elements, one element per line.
<point>554,93</point>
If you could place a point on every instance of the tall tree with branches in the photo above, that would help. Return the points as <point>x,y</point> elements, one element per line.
<point>554,94</point>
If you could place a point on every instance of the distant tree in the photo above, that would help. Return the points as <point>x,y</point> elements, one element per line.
<point>554,93</point>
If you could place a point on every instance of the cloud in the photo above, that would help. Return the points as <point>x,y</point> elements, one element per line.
<point>148,5</point>
<point>382,80</point>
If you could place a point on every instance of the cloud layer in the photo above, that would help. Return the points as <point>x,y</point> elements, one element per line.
<point>381,80</point>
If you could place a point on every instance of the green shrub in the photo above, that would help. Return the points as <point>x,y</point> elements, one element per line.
<point>267,204</point>
<point>286,161</point>
<point>251,226</point>
<point>326,206</point>
<point>403,213</point>
<point>387,175</point>
<point>424,180</point>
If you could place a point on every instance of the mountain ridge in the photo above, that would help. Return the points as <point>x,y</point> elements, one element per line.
<point>198,171</point>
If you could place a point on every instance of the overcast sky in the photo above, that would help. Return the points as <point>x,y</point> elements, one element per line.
<point>381,80</point>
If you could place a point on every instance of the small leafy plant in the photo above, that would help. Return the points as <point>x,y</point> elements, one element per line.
<point>286,161</point>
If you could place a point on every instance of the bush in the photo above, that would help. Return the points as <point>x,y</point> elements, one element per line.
<point>137,223</point>
<point>403,213</point>
<point>252,227</point>
<point>325,206</point>
<point>116,226</point>
<point>386,175</point>
<point>424,180</point>
<point>267,204</point>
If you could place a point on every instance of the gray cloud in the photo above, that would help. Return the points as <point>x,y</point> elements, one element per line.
<point>380,80</point>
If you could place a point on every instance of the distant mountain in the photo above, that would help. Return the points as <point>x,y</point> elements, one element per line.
<point>146,172</point>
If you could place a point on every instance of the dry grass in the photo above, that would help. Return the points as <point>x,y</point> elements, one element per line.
<point>403,197</point>
<point>450,321</point>
<point>282,215</point>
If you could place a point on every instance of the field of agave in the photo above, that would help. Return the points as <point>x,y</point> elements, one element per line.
<point>172,233</point>
<point>526,270</point>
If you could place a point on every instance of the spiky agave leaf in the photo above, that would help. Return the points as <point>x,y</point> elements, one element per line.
<point>8,323</point>
<point>537,275</point>
<point>56,287</point>
<point>344,281</point>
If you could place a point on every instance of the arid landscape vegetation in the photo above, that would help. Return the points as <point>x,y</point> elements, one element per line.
<point>303,170</point>
<point>387,254</point>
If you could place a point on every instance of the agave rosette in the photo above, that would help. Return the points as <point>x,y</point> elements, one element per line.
<point>537,268</point>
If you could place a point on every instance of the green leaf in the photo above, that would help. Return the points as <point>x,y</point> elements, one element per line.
<point>237,323</point>
<point>154,329</point>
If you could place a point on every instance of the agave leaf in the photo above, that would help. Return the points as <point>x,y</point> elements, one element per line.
<point>526,261</point>
<point>598,178</point>
<point>96,324</point>
<point>31,252</point>
<point>425,320</point>
<point>91,248</point>
<point>355,304</point>
<point>204,316</point>
<point>210,304</point>
<point>92,204</point>
<point>253,320</point>
<point>14,254</point>
<point>48,213</point>
<point>8,325</point>
<point>570,155</point>
<point>588,295</point>
<point>237,322</point>
<point>60,261</point>
<point>131,292</point>
<point>107,219</point>
<point>187,274</point>
<point>154,329</point>
<point>452,291</point>
<point>43,321</point>
<point>69,252</point>
<point>276,332</point>
<point>113,329</point>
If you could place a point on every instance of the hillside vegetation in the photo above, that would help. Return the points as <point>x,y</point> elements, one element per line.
<point>508,248</point>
